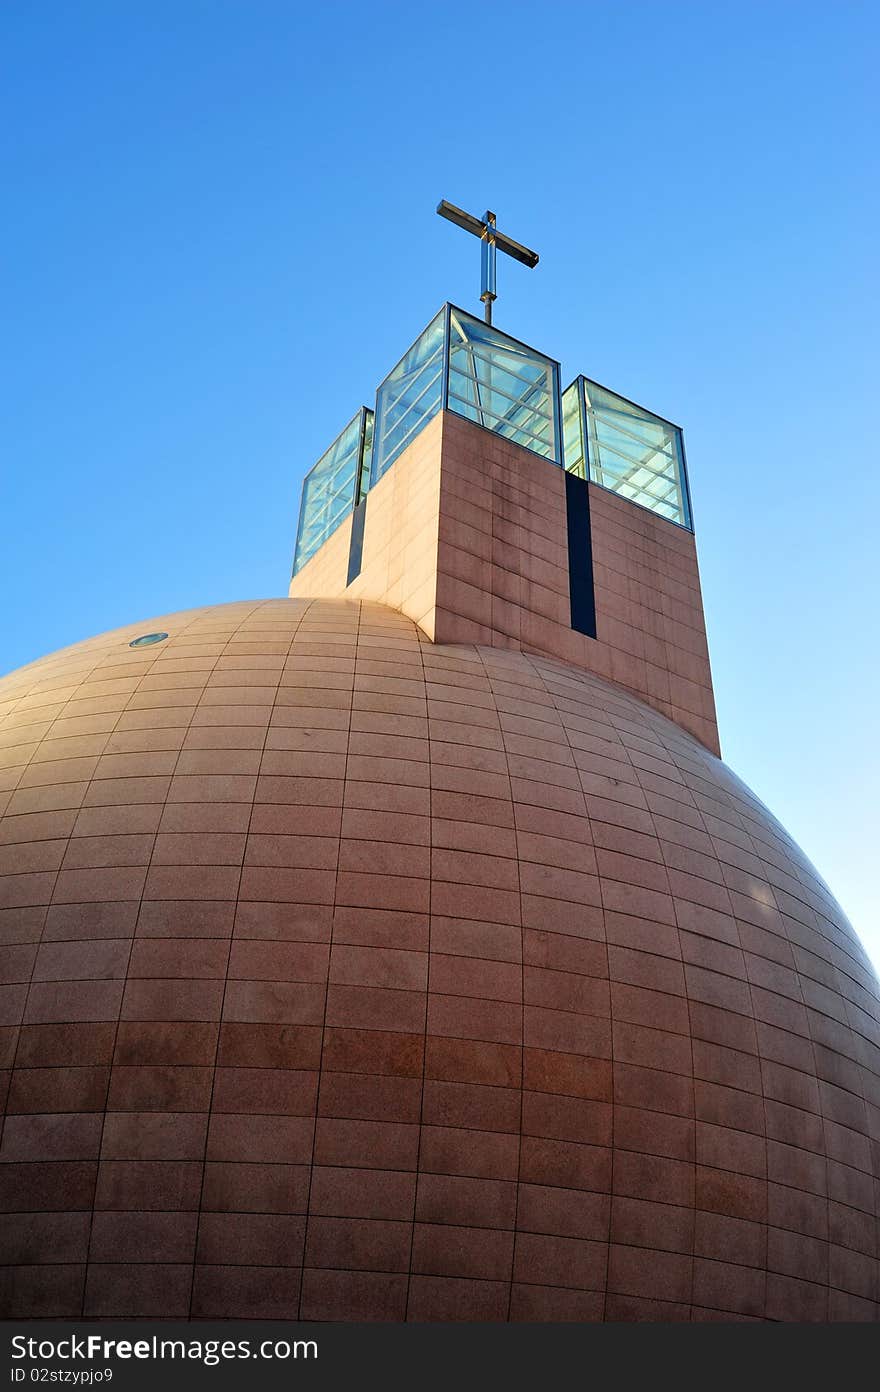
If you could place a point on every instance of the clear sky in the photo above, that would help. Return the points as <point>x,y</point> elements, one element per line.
<point>219,235</point>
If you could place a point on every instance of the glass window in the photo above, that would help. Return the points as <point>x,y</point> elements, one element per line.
<point>461,364</point>
<point>630,451</point>
<point>366,459</point>
<point>572,429</point>
<point>333,486</point>
<point>410,395</point>
<point>501,384</point>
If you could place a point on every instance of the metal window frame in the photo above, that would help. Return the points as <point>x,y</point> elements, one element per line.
<point>554,392</point>
<point>519,402</point>
<point>542,387</point>
<point>434,317</point>
<point>687,508</point>
<point>574,386</point>
<point>509,425</point>
<point>362,437</point>
<point>361,415</point>
<point>411,406</point>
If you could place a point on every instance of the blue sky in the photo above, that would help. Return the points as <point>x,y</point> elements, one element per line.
<point>219,235</point>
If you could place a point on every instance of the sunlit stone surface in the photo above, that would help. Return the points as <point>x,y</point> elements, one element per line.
<point>353,977</point>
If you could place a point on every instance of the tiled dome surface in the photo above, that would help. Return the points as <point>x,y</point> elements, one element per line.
<point>354,977</point>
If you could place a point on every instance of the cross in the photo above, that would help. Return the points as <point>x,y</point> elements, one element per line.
<point>492,240</point>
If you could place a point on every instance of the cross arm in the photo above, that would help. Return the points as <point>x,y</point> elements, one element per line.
<point>461,218</point>
<point>479,228</point>
<point>516,250</point>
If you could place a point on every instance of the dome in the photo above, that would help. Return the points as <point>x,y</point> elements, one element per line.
<point>352,976</point>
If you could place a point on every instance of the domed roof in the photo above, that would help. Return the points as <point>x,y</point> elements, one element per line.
<point>353,976</point>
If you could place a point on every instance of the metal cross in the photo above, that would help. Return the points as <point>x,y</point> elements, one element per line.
<point>492,240</point>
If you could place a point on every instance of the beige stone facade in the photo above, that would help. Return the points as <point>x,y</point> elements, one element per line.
<point>350,975</point>
<point>466,535</point>
<point>396,951</point>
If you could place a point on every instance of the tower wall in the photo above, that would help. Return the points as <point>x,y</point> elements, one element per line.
<point>467,534</point>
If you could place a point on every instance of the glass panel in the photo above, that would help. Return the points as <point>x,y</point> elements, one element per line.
<point>635,453</point>
<point>572,434</point>
<point>503,385</point>
<point>408,398</point>
<point>367,458</point>
<point>328,494</point>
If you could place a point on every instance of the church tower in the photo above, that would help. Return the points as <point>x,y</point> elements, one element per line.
<point>491,507</point>
<point>402,949</point>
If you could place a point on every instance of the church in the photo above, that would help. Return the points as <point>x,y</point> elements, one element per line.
<point>402,949</point>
